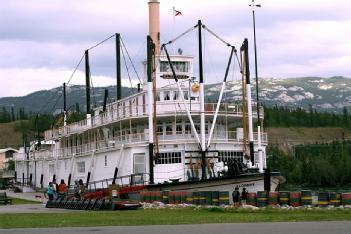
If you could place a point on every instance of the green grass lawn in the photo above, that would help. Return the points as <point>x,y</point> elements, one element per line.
<point>168,216</point>
<point>18,201</point>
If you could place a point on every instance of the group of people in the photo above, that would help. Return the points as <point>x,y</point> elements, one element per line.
<point>56,190</point>
<point>239,198</point>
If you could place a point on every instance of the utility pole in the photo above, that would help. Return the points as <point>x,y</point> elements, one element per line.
<point>253,6</point>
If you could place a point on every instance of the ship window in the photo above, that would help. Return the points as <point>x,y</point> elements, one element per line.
<point>81,167</point>
<point>175,95</point>
<point>166,95</point>
<point>144,102</point>
<point>105,160</point>
<point>179,66</point>
<point>159,130</point>
<point>187,129</point>
<point>179,128</point>
<point>169,130</point>
<point>158,97</point>
<point>186,96</point>
<point>225,156</point>
<point>169,158</point>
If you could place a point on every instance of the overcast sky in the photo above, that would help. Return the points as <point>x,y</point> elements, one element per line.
<point>41,41</point>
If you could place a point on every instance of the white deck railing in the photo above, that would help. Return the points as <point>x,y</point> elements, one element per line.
<point>140,138</point>
<point>117,112</point>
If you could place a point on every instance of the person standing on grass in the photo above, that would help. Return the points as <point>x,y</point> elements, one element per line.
<point>55,188</point>
<point>50,192</point>
<point>236,196</point>
<point>62,188</point>
<point>244,196</point>
<point>81,189</point>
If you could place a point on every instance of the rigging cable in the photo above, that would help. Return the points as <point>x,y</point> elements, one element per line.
<point>125,64</point>
<point>176,38</point>
<point>131,62</point>
<point>101,42</point>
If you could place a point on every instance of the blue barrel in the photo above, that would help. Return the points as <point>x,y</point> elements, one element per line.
<point>284,198</point>
<point>262,198</point>
<point>323,199</point>
<point>306,197</point>
<point>215,198</point>
<point>223,198</point>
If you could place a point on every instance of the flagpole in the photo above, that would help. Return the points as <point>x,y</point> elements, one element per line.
<point>173,13</point>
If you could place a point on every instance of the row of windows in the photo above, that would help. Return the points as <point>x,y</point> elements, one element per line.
<point>171,95</point>
<point>224,156</point>
<point>169,158</point>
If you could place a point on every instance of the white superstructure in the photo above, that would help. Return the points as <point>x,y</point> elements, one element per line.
<point>119,137</point>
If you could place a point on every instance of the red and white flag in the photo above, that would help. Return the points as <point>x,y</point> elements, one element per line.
<point>176,13</point>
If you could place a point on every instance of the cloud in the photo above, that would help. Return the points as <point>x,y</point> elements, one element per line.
<point>42,41</point>
<point>32,80</point>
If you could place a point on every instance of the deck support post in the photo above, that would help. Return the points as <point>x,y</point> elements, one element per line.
<point>150,49</point>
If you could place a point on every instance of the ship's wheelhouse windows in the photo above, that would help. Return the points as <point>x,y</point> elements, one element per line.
<point>225,156</point>
<point>81,167</point>
<point>166,95</point>
<point>169,158</point>
<point>179,66</point>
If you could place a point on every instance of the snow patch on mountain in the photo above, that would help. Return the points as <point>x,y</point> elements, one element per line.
<point>298,97</point>
<point>325,86</point>
<point>284,97</point>
<point>326,106</point>
<point>316,81</point>
<point>309,95</point>
<point>295,88</point>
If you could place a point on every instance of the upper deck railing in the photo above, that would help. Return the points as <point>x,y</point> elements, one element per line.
<point>118,112</point>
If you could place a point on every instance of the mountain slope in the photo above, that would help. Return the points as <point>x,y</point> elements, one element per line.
<point>325,94</point>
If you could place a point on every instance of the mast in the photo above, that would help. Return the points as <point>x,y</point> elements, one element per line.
<point>87,81</point>
<point>64,105</point>
<point>118,67</point>
<point>246,72</point>
<point>150,48</point>
<point>105,100</point>
<point>202,106</point>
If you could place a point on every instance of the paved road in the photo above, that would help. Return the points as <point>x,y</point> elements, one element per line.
<point>240,228</point>
<point>31,208</point>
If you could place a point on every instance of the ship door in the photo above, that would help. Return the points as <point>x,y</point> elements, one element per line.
<point>139,163</point>
<point>139,169</point>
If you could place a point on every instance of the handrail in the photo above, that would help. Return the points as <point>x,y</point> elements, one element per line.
<point>140,138</point>
<point>119,112</point>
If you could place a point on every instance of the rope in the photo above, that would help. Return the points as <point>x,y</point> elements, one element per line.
<point>131,62</point>
<point>215,35</point>
<point>125,64</point>
<point>101,42</point>
<point>52,110</point>
<point>181,35</point>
